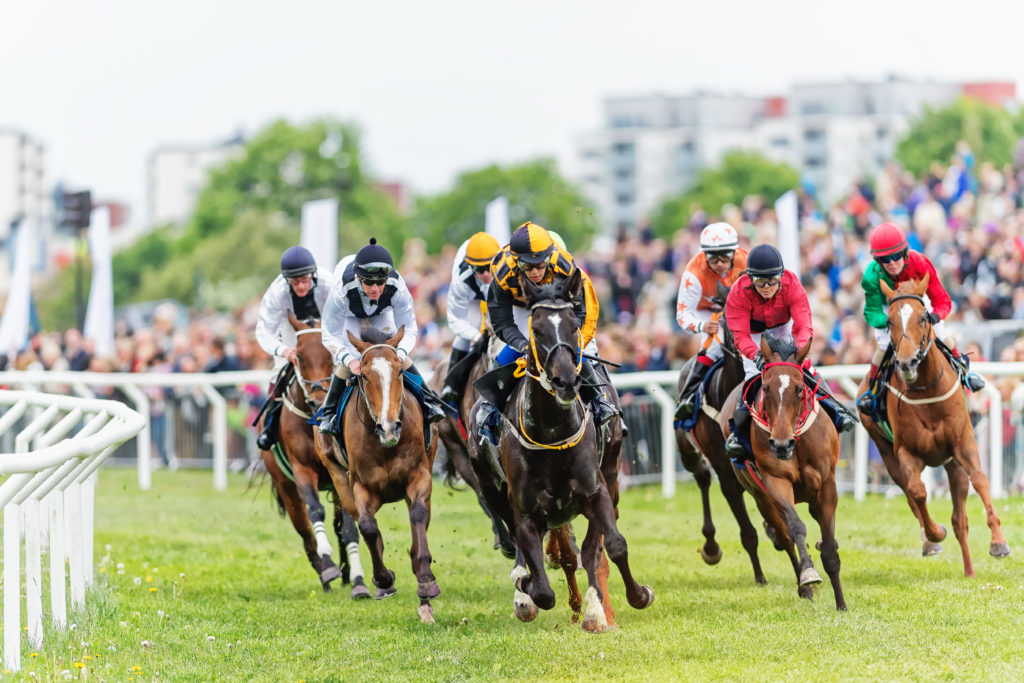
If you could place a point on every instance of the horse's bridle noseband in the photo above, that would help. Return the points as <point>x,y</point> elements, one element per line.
<point>928,339</point>
<point>542,367</point>
<point>362,389</point>
<point>308,386</point>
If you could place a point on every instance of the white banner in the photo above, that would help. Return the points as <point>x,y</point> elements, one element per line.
<point>320,231</point>
<point>786,212</point>
<point>99,316</point>
<point>497,220</point>
<point>14,324</point>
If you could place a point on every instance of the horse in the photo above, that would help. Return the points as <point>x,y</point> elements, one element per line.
<point>705,445</point>
<point>452,433</point>
<point>550,452</point>
<point>388,459</point>
<point>298,495</point>
<point>795,456</point>
<point>930,425</point>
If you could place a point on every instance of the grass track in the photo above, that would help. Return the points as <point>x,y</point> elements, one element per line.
<point>224,592</point>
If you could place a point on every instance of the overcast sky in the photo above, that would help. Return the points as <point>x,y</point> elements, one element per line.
<point>442,86</point>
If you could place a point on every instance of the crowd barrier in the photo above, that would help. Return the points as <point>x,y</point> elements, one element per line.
<point>47,499</point>
<point>203,422</point>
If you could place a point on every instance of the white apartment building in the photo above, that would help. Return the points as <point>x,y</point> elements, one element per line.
<point>177,173</point>
<point>835,134</point>
<point>22,196</point>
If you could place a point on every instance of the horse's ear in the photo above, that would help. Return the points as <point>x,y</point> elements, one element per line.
<point>922,286</point>
<point>802,353</point>
<point>393,341</point>
<point>360,345</point>
<point>295,322</point>
<point>766,349</point>
<point>887,291</point>
<point>572,287</point>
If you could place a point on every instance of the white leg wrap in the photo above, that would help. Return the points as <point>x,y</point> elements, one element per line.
<point>353,560</point>
<point>593,611</point>
<point>323,544</point>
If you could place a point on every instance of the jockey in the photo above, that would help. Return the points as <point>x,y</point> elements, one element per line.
<point>533,251</point>
<point>467,307</point>
<point>721,261</point>
<point>367,289</point>
<point>769,298</point>
<point>300,289</point>
<point>895,262</point>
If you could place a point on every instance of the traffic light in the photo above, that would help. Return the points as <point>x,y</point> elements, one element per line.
<point>77,209</point>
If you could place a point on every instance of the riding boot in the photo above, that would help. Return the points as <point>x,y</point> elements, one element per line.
<point>973,380</point>
<point>688,395</point>
<point>839,417</point>
<point>741,422</point>
<point>429,401</point>
<point>268,436</point>
<point>604,411</point>
<point>487,417</point>
<point>330,423</point>
<point>455,380</point>
<point>866,401</point>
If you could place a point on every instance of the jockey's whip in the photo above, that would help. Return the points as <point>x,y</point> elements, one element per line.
<point>601,360</point>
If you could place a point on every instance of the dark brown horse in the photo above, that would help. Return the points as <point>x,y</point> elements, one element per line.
<point>931,427</point>
<point>703,448</point>
<point>551,453</point>
<point>388,460</point>
<point>795,452</point>
<point>299,494</point>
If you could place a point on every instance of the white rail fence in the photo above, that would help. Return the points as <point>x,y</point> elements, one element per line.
<point>660,386</point>
<point>48,498</point>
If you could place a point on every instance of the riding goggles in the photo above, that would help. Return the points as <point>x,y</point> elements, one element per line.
<point>720,257</point>
<point>892,257</point>
<point>524,266</point>
<point>373,281</point>
<point>761,282</point>
<point>481,269</point>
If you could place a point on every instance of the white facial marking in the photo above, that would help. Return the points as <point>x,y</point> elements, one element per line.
<point>783,385</point>
<point>555,319</point>
<point>905,312</point>
<point>383,368</point>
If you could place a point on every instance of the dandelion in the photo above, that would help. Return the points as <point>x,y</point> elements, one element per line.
<point>160,613</point>
<point>120,565</point>
<point>145,565</point>
<point>149,579</point>
<point>230,645</point>
<point>210,638</point>
<point>152,590</point>
<point>146,644</point>
<point>103,570</point>
<point>86,658</point>
<point>107,546</point>
<point>73,627</point>
<point>156,569</point>
<point>34,655</point>
<point>181,575</point>
<point>137,580</point>
<point>136,668</point>
<point>79,665</point>
<point>123,624</point>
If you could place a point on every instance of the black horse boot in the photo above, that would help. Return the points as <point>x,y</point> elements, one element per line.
<point>741,421</point>
<point>455,380</point>
<point>268,436</point>
<point>688,395</point>
<point>839,416</point>
<point>429,401</point>
<point>330,423</point>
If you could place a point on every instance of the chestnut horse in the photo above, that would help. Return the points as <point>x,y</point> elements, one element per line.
<point>299,494</point>
<point>703,448</point>
<point>550,451</point>
<point>928,416</point>
<point>388,460</point>
<point>795,456</point>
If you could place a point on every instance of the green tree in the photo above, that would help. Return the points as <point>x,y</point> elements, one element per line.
<point>932,137</point>
<point>536,191</point>
<point>740,174</point>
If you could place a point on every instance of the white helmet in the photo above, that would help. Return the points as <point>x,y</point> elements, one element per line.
<point>719,237</point>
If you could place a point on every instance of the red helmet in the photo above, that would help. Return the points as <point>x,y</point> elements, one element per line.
<point>887,239</point>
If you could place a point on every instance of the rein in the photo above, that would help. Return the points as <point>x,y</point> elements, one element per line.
<point>526,442</point>
<point>809,407</point>
<point>303,383</point>
<point>542,376</point>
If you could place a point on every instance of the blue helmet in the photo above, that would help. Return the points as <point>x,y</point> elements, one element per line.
<point>373,262</point>
<point>764,260</point>
<point>296,262</point>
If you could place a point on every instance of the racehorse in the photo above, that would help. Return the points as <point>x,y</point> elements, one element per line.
<point>386,458</point>
<point>299,494</point>
<point>453,435</point>
<point>928,417</point>
<point>795,456</point>
<point>705,445</point>
<point>551,455</point>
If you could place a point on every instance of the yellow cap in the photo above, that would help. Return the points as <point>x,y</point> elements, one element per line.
<point>481,249</point>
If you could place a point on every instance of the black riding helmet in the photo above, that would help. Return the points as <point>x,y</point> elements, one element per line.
<point>296,262</point>
<point>373,262</point>
<point>764,260</point>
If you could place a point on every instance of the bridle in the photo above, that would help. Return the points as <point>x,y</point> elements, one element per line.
<point>542,373</point>
<point>361,380</point>
<point>307,386</point>
<point>926,343</point>
<point>808,406</point>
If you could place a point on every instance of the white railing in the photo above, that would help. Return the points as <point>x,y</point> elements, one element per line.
<point>659,385</point>
<point>48,496</point>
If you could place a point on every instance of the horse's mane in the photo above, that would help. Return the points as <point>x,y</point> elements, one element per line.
<point>371,334</point>
<point>782,344</point>
<point>312,321</point>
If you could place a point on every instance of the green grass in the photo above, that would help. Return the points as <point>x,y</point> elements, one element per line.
<point>217,584</point>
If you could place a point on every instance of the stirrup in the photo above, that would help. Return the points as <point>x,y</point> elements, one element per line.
<point>866,402</point>
<point>734,448</point>
<point>974,382</point>
<point>329,425</point>
<point>685,407</point>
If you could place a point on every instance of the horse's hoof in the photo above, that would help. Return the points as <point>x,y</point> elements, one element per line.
<point>594,626</point>
<point>646,598</point>
<point>999,550</point>
<point>594,619</point>
<point>809,577</point>
<point>711,558</point>
<point>929,548</point>
<point>428,590</point>
<point>426,613</point>
<point>525,609</point>
<point>359,589</point>
<point>385,592</point>
<point>330,573</point>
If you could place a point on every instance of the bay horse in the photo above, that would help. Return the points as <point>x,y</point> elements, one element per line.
<point>930,425</point>
<point>298,495</point>
<point>388,459</point>
<point>703,448</point>
<point>795,455</point>
<point>550,452</point>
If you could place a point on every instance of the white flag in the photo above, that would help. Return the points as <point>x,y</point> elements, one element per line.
<point>320,231</point>
<point>497,220</point>
<point>14,324</point>
<point>786,212</point>
<point>99,316</point>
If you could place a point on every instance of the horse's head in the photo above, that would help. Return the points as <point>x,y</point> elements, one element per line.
<point>785,398</point>
<point>313,363</point>
<point>554,354</point>
<point>909,328</point>
<point>380,382</point>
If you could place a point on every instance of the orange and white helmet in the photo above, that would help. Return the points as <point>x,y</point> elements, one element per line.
<point>719,237</point>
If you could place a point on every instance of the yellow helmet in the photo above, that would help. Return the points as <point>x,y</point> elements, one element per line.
<point>481,249</point>
<point>531,243</point>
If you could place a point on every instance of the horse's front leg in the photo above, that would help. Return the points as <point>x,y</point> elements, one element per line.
<point>348,538</point>
<point>824,510</point>
<point>732,490</point>
<point>959,485</point>
<point>905,469</point>
<point>601,514</point>
<point>367,505</point>
<point>417,497</point>
<point>781,492</point>
<point>305,481</point>
<point>535,584</point>
<point>697,465</point>
<point>968,453</point>
<point>525,609</point>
